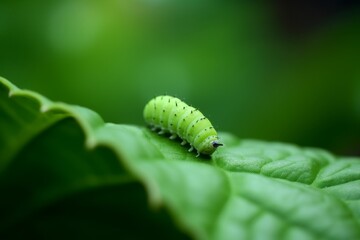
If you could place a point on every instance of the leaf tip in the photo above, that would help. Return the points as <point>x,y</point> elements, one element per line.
<point>155,199</point>
<point>11,93</point>
<point>44,108</point>
<point>91,143</point>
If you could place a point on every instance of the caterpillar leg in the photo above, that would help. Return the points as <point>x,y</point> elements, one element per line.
<point>153,129</point>
<point>183,143</point>
<point>198,154</point>
<point>162,131</point>
<point>173,136</point>
<point>191,148</point>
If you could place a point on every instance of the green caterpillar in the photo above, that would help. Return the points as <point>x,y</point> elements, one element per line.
<point>171,115</point>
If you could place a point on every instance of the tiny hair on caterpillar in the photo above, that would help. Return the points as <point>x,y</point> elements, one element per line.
<point>167,114</point>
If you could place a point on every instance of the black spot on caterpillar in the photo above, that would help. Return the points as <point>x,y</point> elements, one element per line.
<point>182,120</point>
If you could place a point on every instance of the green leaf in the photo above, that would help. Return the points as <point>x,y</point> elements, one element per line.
<point>64,173</point>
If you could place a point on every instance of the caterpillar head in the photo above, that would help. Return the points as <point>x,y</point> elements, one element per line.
<point>216,144</point>
<point>208,147</point>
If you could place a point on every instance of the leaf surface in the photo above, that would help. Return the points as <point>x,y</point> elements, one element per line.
<point>66,173</point>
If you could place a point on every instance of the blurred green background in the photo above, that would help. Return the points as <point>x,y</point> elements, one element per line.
<point>273,70</point>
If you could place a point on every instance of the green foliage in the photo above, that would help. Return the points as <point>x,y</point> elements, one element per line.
<point>64,173</point>
<point>215,54</point>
